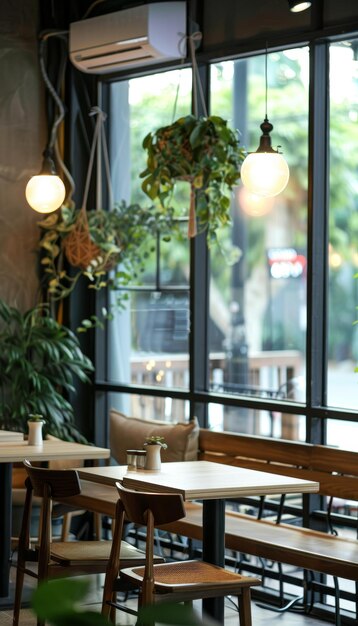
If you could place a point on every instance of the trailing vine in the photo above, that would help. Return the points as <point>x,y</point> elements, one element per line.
<point>122,240</point>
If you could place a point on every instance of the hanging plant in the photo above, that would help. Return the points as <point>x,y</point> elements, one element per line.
<point>122,236</point>
<point>202,151</point>
<point>198,149</point>
<point>77,242</point>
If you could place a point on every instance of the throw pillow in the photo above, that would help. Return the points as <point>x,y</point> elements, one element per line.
<point>128,433</point>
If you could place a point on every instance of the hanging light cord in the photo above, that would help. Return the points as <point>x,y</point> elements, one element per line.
<point>53,142</point>
<point>266,83</point>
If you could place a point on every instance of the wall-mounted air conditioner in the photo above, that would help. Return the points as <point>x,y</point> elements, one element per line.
<point>146,34</point>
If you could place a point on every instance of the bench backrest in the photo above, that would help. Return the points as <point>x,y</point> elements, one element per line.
<point>336,470</point>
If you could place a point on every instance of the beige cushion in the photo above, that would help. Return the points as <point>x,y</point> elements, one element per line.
<point>128,433</point>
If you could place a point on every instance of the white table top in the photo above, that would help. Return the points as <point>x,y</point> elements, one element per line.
<point>200,480</point>
<point>17,451</point>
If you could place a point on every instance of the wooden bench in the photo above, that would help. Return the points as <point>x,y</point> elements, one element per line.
<point>311,549</point>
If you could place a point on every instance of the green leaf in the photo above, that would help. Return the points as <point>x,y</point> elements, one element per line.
<point>59,602</point>
<point>176,614</point>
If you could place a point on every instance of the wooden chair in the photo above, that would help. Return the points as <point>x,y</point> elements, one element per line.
<point>61,512</point>
<point>59,559</point>
<point>178,581</point>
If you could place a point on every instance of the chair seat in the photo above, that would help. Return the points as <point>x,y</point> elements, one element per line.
<point>88,551</point>
<point>187,575</point>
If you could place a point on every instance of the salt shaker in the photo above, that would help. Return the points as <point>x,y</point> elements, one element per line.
<point>141,458</point>
<point>132,459</point>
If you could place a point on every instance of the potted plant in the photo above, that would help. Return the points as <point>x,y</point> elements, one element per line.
<point>154,445</point>
<point>156,440</point>
<point>39,360</point>
<point>95,244</point>
<point>202,151</point>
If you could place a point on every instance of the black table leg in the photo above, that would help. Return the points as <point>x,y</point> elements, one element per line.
<point>5,526</point>
<point>214,549</point>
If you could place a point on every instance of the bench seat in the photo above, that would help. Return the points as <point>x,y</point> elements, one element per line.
<point>94,497</point>
<point>293,545</point>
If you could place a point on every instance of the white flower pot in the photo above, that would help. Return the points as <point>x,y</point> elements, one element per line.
<point>35,433</point>
<point>153,459</point>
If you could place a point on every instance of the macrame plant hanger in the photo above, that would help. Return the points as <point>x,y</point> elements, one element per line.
<point>197,87</point>
<point>79,247</point>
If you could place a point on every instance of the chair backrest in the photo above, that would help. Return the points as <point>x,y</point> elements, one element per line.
<point>165,507</point>
<point>58,483</point>
<point>150,510</point>
<point>47,484</point>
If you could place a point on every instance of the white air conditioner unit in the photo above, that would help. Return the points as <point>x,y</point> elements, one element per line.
<point>146,34</point>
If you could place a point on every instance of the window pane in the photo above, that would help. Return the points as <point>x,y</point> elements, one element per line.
<point>150,407</point>
<point>343,226</point>
<point>342,434</point>
<point>257,422</point>
<point>258,304</point>
<point>139,106</point>
<point>148,340</point>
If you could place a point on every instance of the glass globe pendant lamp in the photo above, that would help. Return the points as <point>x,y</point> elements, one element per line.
<point>296,6</point>
<point>265,172</point>
<point>45,192</point>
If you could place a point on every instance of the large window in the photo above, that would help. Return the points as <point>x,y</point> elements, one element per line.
<point>239,350</point>
<point>148,342</point>
<point>258,303</point>
<point>343,225</point>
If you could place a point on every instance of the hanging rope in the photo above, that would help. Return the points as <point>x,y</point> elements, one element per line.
<point>79,247</point>
<point>197,86</point>
<point>99,133</point>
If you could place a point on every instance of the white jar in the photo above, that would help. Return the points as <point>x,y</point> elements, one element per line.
<point>35,433</point>
<point>153,459</point>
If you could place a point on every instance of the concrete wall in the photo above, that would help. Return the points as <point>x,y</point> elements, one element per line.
<point>22,140</point>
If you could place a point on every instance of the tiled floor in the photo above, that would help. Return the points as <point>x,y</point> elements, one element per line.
<point>261,617</point>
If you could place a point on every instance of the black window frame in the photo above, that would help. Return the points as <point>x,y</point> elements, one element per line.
<point>198,395</point>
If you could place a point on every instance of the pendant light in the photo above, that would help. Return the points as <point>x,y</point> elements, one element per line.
<point>296,6</point>
<point>265,172</point>
<point>45,192</point>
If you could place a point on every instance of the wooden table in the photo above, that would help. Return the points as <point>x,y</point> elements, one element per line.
<point>16,451</point>
<point>9,435</point>
<point>210,482</point>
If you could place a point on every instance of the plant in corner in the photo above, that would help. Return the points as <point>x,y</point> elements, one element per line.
<point>202,151</point>
<point>39,360</point>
